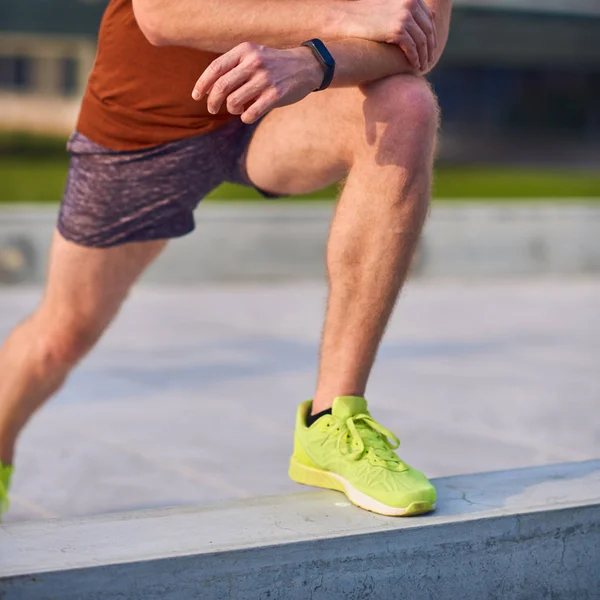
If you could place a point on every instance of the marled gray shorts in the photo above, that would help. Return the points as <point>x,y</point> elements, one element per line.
<point>114,197</point>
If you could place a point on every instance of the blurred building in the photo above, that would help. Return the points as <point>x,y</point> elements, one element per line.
<point>523,74</point>
<point>520,81</point>
<point>47,48</point>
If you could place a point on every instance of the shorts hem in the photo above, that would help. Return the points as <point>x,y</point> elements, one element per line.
<point>242,168</point>
<point>122,240</point>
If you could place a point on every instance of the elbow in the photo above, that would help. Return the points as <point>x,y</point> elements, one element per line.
<point>149,15</point>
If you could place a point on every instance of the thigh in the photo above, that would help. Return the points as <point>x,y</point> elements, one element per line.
<point>306,146</point>
<point>86,286</point>
<point>311,144</point>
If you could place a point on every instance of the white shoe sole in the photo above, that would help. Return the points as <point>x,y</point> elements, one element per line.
<point>326,479</point>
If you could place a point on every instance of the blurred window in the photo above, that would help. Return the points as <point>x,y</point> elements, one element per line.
<point>68,71</point>
<point>15,73</point>
<point>519,100</point>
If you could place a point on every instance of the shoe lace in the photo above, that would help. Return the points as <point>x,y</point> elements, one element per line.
<point>367,434</point>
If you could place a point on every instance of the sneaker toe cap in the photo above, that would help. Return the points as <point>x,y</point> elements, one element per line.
<point>412,487</point>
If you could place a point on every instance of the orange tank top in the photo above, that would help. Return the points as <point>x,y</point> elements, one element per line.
<point>139,95</point>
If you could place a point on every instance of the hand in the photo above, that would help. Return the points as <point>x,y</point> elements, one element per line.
<point>252,79</point>
<point>409,24</point>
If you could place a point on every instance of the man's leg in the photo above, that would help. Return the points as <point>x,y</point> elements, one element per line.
<point>85,288</point>
<point>382,136</point>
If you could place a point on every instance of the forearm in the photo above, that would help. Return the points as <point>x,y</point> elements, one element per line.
<point>219,25</point>
<point>360,61</point>
<point>253,79</point>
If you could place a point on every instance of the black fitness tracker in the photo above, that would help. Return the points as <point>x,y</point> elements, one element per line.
<point>325,60</point>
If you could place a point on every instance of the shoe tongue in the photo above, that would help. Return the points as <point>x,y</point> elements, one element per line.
<point>346,406</point>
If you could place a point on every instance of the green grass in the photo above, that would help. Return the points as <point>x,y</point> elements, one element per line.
<point>32,180</point>
<point>41,178</point>
<point>33,169</point>
<point>515,182</point>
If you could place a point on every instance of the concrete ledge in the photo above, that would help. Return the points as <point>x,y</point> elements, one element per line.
<point>286,241</point>
<point>530,533</point>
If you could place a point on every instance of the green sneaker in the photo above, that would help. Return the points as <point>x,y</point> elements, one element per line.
<point>350,452</point>
<point>5,475</point>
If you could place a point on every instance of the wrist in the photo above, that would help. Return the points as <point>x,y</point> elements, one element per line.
<point>313,72</point>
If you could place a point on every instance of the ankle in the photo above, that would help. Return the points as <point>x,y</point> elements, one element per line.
<point>321,403</point>
<point>324,400</point>
<point>313,417</point>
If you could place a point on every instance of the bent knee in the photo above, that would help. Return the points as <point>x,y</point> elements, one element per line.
<point>404,99</point>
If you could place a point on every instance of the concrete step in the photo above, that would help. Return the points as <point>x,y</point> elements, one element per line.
<point>521,534</point>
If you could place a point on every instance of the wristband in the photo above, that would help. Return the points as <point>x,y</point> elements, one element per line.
<point>325,59</point>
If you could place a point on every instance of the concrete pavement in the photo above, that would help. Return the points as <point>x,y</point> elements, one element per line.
<point>191,395</point>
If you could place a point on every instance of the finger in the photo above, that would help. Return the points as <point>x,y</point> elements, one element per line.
<point>420,41</point>
<point>263,104</point>
<point>425,8</point>
<point>409,47</point>
<point>224,86</point>
<point>425,24</point>
<point>430,12</point>
<point>217,69</point>
<point>240,99</point>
